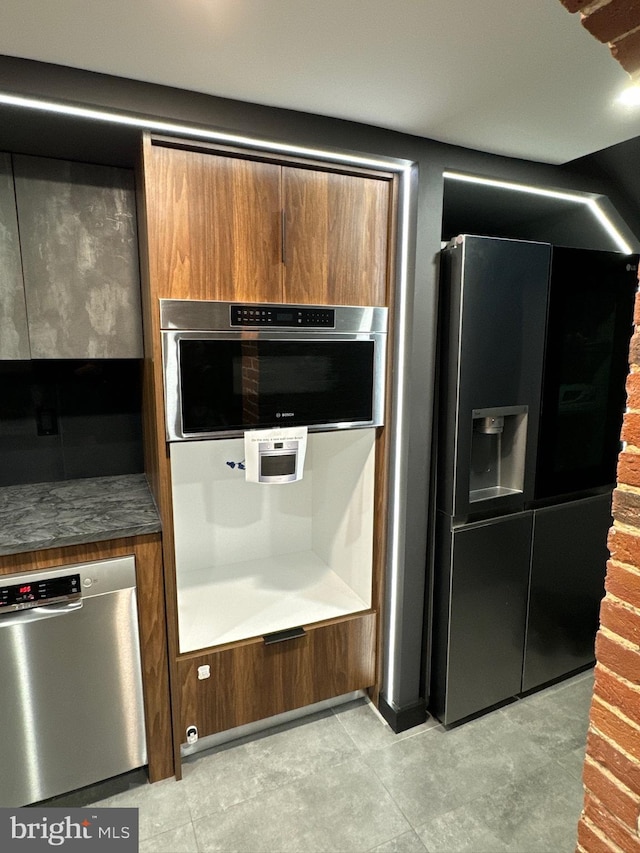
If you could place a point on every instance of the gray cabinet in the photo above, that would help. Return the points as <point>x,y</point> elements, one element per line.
<point>480,604</point>
<point>14,339</point>
<point>568,567</point>
<point>79,259</point>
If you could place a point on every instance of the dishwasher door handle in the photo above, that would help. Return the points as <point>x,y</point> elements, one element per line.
<point>38,614</point>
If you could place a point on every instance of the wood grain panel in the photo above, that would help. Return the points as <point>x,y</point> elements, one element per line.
<point>151,621</point>
<point>214,226</point>
<point>155,669</point>
<point>337,232</point>
<point>251,681</point>
<point>157,465</point>
<point>14,336</point>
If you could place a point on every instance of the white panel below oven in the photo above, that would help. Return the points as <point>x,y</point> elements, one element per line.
<point>255,558</point>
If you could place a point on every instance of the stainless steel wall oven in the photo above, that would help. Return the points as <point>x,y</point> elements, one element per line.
<point>231,367</point>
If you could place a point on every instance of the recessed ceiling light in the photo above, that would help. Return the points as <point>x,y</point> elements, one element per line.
<point>630,96</point>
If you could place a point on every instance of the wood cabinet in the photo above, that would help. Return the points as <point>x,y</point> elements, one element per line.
<point>335,237</point>
<point>240,225</point>
<point>214,224</point>
<point>251,681</point>
<point>14,335</point>
<point>77,259</point>
<point>223,226</point>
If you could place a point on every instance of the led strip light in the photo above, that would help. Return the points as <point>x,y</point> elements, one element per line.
<point>156,126</point>
<point>590,202</point>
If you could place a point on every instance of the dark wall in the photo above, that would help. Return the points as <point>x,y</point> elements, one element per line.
<point>64,420</point>
<point>36,133</point>
<point>619,168</point>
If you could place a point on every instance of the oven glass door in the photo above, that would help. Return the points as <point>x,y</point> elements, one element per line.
<point>233,385</point>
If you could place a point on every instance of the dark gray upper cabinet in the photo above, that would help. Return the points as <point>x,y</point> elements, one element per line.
<point>79,258</point>
<point>14,339</point>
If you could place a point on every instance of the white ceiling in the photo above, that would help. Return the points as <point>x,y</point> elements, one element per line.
<point>506,76</point>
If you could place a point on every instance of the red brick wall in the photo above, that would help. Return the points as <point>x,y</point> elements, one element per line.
<point>609,820</point>
<point>613,22</point>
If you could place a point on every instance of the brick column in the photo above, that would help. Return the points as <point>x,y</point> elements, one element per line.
<point>616,23</point>
<point>609,821</point>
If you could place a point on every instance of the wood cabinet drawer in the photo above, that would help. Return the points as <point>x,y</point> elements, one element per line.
<point>251,681</point>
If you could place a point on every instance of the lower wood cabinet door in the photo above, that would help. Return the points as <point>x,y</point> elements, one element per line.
<point>252,680</point>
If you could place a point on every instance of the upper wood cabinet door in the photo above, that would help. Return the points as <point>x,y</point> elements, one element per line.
<point>336,237</point>
<point>213,226</point>
<point>14,336</point>
<point>80,258</point>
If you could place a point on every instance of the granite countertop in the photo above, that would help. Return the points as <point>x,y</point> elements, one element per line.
<point>72,512</point>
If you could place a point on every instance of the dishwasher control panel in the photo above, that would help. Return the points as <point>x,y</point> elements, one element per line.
<point>28,594</point>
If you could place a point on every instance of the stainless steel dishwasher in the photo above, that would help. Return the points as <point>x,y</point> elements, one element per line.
<point>71,706</point>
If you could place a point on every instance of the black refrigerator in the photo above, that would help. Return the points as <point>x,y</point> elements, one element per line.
<point>590,317</point>
<point>516,363</point>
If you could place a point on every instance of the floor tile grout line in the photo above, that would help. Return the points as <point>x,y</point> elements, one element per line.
<point>495,792</point>
<point>293,783</point>
<point>524,776</point>
<point>336,762</point>
<point>389,793</point>
<point>405,737</point>
<point>395,837</point>
<point>336,715</point>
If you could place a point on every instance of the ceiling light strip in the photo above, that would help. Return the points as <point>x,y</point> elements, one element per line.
<point>590,202</point>
<point>157,126</point>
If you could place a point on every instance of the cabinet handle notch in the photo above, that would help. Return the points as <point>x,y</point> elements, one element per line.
<point>281,636</point>
<point>283,236</point>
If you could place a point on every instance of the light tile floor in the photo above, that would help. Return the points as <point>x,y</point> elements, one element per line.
<point>341,780</point>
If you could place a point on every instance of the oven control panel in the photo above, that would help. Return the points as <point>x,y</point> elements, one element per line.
<point>22,596</point>
<point>286,316</point>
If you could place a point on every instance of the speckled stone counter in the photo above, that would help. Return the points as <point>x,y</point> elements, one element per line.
<point>72,512</point>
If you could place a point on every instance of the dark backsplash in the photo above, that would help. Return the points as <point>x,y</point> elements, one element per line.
<point>63,420</point>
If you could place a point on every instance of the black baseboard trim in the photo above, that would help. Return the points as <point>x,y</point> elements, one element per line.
<point>401,719</point>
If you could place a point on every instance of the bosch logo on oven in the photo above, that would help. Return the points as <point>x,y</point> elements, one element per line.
<point>285,414</point>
